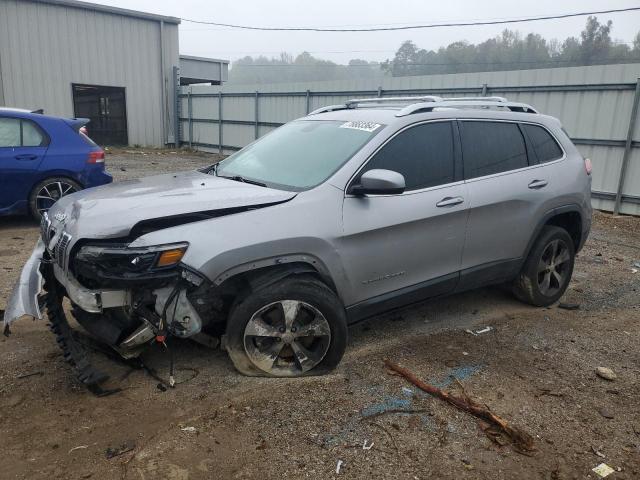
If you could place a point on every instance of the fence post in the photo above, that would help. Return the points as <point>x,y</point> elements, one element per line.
<point>190,116</point>
<point>627,148</point>
<point>220,123</point>
<point>484,89</point>
<point>308,101</point>
<point>379,92</point>
<point>256,134</point>
<point>177,106</point>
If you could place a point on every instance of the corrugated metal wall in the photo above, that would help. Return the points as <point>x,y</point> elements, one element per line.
<point>594,104</point>
<point>45,48</point>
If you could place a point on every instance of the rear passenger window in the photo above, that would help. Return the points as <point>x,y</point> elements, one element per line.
<point>492,147</point>
<point>20,133</point>
<point>31,135</point>
<point>544,145</point>
<point>9,132</point>
<point>423,154</point>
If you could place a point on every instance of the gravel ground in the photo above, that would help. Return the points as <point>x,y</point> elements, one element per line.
<point>535,368</point>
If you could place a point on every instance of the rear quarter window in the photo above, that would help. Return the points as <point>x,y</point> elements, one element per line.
<point>544,145</point>
<point>492,147</point>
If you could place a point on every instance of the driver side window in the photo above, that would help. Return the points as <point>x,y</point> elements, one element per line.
<point>424,155</point>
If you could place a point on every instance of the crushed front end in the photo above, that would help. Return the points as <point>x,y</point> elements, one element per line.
<point>126,298</point>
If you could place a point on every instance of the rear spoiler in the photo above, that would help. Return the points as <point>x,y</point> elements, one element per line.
<point>76,123</point>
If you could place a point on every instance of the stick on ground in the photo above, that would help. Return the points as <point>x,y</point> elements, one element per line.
<point>521,440</point>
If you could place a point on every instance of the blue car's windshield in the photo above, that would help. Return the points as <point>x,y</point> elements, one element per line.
<point>299,155</point>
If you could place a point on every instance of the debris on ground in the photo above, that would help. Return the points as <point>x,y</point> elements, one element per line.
<point>479,331</point>
<point>32,374</point>
<point>569,306</point>
<point>339,466</point>
<point>606,373</point>
<point>189,429</point>
<point>118,450</point>
<point>603,470</point>
<point>522,441</point>
<point>367,447</point>
<point>79,447</point>
<point>597,452</point>
<point>605,412</point>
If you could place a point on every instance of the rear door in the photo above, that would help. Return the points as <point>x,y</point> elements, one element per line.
<point>508,192</point>
<point>23,144</point>
<point>409,245</point>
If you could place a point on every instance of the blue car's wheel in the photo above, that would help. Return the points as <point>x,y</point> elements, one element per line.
<point>48,192</point>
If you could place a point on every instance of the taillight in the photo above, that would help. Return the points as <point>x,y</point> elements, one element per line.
<point>587,165</point>
<point>96,157</point>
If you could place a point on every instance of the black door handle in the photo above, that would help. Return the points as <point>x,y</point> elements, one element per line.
<point>26,156</point>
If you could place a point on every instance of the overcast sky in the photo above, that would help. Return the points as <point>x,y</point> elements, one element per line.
<point>217,42</point>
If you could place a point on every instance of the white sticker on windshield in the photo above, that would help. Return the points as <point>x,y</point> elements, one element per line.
<point>365,126</point>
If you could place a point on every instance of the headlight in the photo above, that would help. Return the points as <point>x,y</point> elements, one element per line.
<point>122,260</point>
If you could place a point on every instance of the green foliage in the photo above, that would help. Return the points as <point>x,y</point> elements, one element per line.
<point>303,68</point>
<point>507,51</point>
<point>510,51</point>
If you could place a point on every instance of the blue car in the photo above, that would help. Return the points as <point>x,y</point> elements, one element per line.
<point>44,158</point>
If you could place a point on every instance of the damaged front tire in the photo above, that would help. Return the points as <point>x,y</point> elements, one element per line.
<point>294,328</point>
<point>74,353</point>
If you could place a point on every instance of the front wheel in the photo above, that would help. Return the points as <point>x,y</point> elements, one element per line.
<point>295,328</point>
<point>48,192</point>
<point>547,271</point>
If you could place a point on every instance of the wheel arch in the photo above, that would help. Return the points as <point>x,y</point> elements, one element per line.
<point>568,217</point>
<point>263,272</point>
<point>49,175</point>
<point>69,175</point>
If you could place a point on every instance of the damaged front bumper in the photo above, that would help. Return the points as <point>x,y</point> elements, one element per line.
<point>24,299</point>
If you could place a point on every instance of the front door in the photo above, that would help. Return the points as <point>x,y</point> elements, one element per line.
<point>23,144</point>
<point>402,248</point>
<point>106,108</point>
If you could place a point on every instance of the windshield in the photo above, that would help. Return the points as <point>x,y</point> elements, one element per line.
<point>298,155</point>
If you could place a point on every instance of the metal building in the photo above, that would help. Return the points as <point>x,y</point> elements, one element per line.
<point>115,66</point>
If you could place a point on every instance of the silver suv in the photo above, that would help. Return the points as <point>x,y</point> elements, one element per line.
<point>350,211</point>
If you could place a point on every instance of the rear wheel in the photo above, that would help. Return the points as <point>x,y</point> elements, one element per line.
<point>547,271</point>
<point>48,192</point>
<point>294,328</point>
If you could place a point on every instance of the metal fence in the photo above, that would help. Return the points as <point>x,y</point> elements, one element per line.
<point>598,106</point>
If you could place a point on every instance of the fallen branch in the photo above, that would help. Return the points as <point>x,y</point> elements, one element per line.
<point>521,440</point>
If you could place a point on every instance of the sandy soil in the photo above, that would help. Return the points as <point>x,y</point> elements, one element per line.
<point>535,368</point>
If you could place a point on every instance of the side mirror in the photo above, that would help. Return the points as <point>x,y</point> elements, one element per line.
<point>379,182</point>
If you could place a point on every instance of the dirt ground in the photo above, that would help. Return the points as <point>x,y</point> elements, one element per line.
<point>535,368</point>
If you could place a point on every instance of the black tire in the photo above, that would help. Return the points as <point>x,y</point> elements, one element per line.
<point>546,275</point>
<point>313,297</point>
<point>61,186</point>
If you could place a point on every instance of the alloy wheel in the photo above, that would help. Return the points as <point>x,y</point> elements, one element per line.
<point>553,268</point>
<point>51,193</point>
<point>287,338</point>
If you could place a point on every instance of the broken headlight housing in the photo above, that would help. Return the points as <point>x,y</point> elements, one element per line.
<point>106,265</point>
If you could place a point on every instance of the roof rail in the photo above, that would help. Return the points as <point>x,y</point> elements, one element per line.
<point>425,98</point>
<point>429,103</point>
<point>462,102</point>
<point>328,108</point>
<point>463,99</point>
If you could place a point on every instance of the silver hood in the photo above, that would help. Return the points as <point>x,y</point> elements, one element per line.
<point>112,210</point>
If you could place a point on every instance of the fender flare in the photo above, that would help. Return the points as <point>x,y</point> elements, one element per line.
<point>305,263</point>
